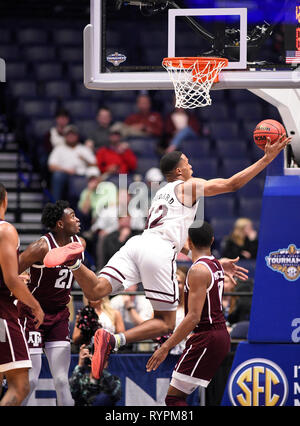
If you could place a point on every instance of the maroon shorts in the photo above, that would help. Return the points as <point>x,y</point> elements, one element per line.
<point>13,347</point>
<point>52,333</point>
<point>202,356</point>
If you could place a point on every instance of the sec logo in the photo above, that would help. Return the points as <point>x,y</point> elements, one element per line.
<point>258,382</point>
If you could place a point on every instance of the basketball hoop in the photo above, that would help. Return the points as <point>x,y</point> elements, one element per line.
<point>192,79</point>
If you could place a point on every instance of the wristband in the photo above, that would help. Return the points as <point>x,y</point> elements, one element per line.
<point>76,265</point>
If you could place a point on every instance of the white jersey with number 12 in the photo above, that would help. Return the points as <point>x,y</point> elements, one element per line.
<point>169,217</point>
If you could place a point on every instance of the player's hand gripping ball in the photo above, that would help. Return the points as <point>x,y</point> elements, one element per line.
<point>271,129</point>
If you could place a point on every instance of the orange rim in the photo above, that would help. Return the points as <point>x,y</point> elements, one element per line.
<point>200,62</point>
<point>187,62</point>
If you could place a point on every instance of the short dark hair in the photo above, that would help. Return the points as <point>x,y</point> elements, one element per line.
<point>53,212</point>
<point>201,236</point>
<point>169,161</point>
<point>2,192</point>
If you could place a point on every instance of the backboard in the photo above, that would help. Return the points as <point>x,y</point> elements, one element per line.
<point>126,40</point>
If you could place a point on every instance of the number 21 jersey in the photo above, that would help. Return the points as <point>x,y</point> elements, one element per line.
<point>169,217</point>
<point>51,286</point>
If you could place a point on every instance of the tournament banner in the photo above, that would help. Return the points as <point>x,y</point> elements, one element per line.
<point>139,388</point>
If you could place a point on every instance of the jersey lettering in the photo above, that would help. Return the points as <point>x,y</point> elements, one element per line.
<point>64,280</point>
<point>152,222</point>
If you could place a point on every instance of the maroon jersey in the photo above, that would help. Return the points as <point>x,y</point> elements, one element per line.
<point>212,310</point>
<point>7,307</point>
<point>51,286</point>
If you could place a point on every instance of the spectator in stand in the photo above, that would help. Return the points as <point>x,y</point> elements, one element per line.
<point>117,157</point>
<point>66,161</point>
<point>134,308</point>
<point>145,121</point>
<point>108,220</point>
<point>99,136</point>
<point>242,241</point>
<point>153,180</point>
<point>108,318</point>
<point>55,136</point>
<point>239,315</point>
<point>115,240</point>
<point>180,125</point>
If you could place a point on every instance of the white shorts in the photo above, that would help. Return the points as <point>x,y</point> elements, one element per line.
<point>148,259</point>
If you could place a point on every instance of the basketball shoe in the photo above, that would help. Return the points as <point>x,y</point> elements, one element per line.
<point>104,344</point>
<point>67,255</point>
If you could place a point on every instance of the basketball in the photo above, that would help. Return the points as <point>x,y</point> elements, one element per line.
<point>267,129</point>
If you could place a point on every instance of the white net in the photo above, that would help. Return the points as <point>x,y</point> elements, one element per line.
<point>192,82</point>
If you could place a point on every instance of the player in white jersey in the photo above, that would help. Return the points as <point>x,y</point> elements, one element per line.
<point>150,258</point>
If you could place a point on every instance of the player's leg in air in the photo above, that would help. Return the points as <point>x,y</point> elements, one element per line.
<point>147,260</point>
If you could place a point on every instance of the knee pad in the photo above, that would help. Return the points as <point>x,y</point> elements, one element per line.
<point>172,400</point>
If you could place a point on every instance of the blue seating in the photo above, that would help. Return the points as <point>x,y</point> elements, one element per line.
<point>249,126</point>
<point>196,148</point>
<point>230,166</point>
<point>224,130</point>
<point>37,108</point>
<point>121,96</point>
<point>252,189</point>
<point>86,127</point>
<point>249,111</point>
<point>144,147</point>
<point>40,127</point>
<point>243,95</point>
<point>120,109</point>
<point>67,36</point>
<point>32,36</point>
<point>10,52</point>
<point>219,207</point>
<point>81,108</point>
<point>6,36</point>
<point>71,54</point>
<point>23,88</point>
<point>205,168</point>
<point>48,71</point>
<point>16,70</point>
<point>82,92</point>
<point>231,149</point>
<point>222,227</point>
<point>39,53</point>
<point>144,164</point>
<point>75,72</point>
<point>250,207</point>
<point>216,111</point>
<point>57,89</point>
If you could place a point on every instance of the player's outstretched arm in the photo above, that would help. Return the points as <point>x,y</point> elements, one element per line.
<point>221,186</point>
<point>199,281</point>
<point>10,270</point>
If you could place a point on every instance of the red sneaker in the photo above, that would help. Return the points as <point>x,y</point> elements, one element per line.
<point>61,255</point>
<point>104,343</point>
